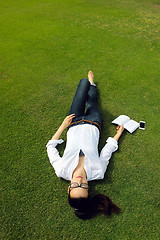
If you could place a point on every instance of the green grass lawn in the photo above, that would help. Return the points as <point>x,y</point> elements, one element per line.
<point>46,47</point>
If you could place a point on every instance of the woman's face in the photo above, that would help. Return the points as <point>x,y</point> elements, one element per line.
<point>78,191</point>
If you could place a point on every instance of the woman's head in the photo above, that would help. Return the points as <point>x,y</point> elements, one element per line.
<point>78,196</point>
<point>78,187</point>
<point>84,206</point>
<point>77,190</point>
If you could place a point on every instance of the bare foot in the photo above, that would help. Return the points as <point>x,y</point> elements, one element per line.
<point>91,76</point>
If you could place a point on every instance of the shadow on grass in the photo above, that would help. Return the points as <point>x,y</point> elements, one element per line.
<point>105,133</point>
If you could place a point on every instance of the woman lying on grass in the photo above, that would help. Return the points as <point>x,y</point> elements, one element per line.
<point>81,162</point>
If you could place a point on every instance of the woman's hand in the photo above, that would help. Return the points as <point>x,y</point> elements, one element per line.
<point>120,130</point>
<point>67,121</point>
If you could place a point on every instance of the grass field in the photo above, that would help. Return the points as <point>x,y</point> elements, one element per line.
<point>46,47</point>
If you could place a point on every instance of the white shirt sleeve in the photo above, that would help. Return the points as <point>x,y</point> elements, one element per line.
<point>52,152</point>
<point>106,153</point>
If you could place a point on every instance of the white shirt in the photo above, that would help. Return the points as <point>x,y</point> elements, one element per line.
<point>83,137</point>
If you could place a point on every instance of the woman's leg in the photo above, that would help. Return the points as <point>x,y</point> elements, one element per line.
<point>92,110</point>
<point>80,98</point>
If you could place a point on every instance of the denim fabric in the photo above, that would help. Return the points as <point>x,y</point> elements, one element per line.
<point>84,104</point>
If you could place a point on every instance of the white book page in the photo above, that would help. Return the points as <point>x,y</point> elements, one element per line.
<point>131,126</point>
<point>122,119</point>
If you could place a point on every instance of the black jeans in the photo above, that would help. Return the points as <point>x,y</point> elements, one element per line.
<point>85,105</point>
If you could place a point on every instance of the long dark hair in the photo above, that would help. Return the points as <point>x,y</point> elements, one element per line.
<point>86,208</point>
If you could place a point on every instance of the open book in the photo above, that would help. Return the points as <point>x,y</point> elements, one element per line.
<point>128,124</point>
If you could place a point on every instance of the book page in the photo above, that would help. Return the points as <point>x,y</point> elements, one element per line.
<point>131,126</point>
<point>122,119</point>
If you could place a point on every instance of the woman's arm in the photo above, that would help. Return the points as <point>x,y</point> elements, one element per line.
<point>67,121</point>
<point>110,147</point>
<point>120,130</point>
